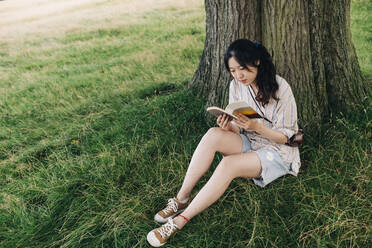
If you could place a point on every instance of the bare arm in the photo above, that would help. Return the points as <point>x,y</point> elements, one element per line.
<point>254,125</point>
<point>234,128</point>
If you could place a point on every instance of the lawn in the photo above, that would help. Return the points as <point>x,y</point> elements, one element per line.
<point>97,128</point>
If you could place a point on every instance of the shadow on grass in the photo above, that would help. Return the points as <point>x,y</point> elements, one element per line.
<point>102,186</point>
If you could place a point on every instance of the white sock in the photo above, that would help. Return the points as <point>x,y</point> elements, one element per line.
<point>184,201</point>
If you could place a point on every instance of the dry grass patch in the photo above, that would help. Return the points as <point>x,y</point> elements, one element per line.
<point>24,20</point>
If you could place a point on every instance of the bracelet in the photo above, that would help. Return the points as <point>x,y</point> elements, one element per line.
<point>241,130</point>
<point>187,219</point>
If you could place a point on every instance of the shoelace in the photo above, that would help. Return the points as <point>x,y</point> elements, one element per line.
<point>172,205</point>
<point>167,229</point>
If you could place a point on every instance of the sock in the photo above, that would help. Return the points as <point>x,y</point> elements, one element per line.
<point>184,201</point>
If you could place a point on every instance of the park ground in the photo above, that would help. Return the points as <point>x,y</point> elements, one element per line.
<point>97,128</point>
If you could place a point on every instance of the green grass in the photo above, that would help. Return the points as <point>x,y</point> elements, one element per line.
<point>361,25</point>
<point>97,131</point>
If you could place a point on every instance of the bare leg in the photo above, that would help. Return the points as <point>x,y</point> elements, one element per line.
<point>215,140</point>
<point>230,167</point>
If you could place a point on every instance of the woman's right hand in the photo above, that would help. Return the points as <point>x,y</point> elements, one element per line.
<point>224,122</point>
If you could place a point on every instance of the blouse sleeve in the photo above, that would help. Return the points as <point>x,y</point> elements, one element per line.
<point>233,97</point>
<point>285,118</point>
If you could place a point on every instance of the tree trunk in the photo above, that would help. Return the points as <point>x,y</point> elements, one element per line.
<point>224,24</point>
<point>335,63</point>
<point>311,44</point>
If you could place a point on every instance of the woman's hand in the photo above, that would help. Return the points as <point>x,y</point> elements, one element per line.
<point>224,122</point>
<point>254,125</point>
<point>246,123</point>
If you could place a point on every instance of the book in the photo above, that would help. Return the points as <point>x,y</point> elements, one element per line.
<point>233,108</point>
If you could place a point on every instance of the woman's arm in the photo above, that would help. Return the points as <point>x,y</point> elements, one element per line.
<point>254,125</point>
<point>271,134</point>
<point>234,128</point>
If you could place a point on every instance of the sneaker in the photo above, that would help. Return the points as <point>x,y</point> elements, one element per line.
<point>159,236</point>
<point>173,208</point>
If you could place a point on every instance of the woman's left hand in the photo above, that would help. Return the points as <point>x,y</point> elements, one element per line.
<point>246,123</point>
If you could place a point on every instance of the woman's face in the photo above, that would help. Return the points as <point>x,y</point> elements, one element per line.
<point>241,74</point>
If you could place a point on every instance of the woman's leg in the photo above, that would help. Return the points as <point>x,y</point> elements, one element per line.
<point>230,167</point>
<point>215,140</point>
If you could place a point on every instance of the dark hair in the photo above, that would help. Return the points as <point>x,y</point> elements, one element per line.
<point>249,53</point>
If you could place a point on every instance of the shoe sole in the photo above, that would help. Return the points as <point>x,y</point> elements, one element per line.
<point>151,240</point>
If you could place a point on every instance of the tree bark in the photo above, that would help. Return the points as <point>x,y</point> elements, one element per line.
<point>224,25</point>
<point>338,74</point>
<point>285,26</point>
<point>311,46</point>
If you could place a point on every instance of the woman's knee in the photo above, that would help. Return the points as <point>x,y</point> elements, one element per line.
<point>233,167</point>
<point>213,135</point>
<point>215,131</point>
<point>227,168</point>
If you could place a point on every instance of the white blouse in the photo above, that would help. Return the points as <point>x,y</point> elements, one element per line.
<point>282,113</point>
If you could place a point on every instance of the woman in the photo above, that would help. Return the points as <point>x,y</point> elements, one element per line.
<point>252,148</point>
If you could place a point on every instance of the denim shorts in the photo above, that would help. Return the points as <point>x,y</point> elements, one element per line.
<point>272,164</point>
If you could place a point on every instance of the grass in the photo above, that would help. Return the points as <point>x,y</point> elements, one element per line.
<point>97,131</point>
<point>361,26</point>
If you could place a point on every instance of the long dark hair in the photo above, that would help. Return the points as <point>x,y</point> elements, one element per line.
<point>249,53</point>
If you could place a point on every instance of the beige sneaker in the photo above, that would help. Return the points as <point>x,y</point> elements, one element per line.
<point>173,208</point>
<point>159,236</point>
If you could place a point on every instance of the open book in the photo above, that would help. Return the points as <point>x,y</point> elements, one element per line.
<point>233,108</point>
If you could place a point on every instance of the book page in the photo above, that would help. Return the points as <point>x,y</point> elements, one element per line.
<point>216,111</point>
<point>236,105</point>
<point>243,108</point>
<point>234,108</point>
